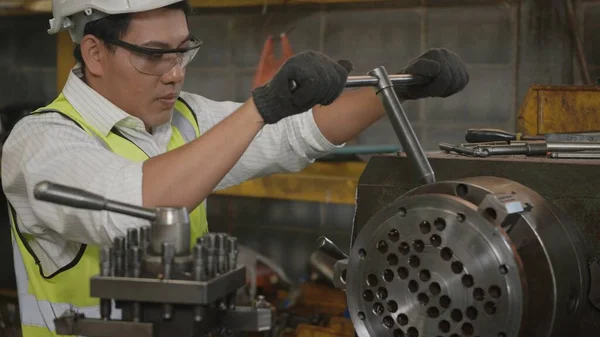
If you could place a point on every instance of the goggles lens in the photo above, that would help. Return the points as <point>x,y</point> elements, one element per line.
<point>157,62</point>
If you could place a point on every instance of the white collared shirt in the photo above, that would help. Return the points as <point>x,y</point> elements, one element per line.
<point>51,147</point>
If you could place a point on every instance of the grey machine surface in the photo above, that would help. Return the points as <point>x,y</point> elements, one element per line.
<point>470,255</point>
<point>161,287</point>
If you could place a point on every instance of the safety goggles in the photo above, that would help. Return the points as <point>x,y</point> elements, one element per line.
<point>156,61</point>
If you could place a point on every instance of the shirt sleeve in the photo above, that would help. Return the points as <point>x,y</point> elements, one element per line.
<point>52,148</point>
<point>287,146</point>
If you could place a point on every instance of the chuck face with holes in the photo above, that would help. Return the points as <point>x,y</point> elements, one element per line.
<point>477,257</point>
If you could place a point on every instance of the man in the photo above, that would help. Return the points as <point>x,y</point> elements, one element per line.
<point>122,128</point>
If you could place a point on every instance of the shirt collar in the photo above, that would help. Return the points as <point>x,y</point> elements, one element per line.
<point>101,113</point>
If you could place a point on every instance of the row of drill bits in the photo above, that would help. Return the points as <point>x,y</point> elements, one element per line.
<point>214,254</point>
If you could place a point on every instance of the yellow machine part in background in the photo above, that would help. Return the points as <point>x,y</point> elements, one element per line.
<point>551,109</point>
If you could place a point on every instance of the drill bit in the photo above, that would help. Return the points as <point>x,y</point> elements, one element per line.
<point>200,259</point>
<point>106,269</point>
<point>119,248</point>
<point>134,271</point>
<point>168,256</point>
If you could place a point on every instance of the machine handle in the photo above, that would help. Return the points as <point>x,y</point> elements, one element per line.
<point>326,246</point>
<point>496,135</point>
<point>78,198</point>
<point>371,81</point>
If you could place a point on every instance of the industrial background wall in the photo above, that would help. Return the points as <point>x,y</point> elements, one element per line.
<point>507,45</point>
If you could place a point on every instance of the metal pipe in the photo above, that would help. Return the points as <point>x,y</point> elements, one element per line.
<point>200,259</point>
<point>106,269</point>
<point>401,125</point>
<point>371,81</point>
<point>168,257</point>
<point>78,198</point>
<point>119,247</point>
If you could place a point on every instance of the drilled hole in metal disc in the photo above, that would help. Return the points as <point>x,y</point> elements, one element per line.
<point>478,294</point>
<point>472,313</point>
<point>361,315</point>
<point>413,286</point>
<point>388,322</point>
<point>388,275</point>
<point>392,306</point>
<point>468,329</point>
<point>444,326</point>
<point>368,295</point>
<point>362,253</point>
<point>404,248</point>
<point>423,298</point>
<point>460,217</point>
<point>392,259</point>
<point>372,280</point>
<point>456,315</point>
<point>425,275</point>
<point>445,302</point>
<point>382,246</point>
<point>382,293</point>
<point>402,319</point>
<point>435,240</point>
<point>490,308</point>
<point>495,291</point>
<point>457,267</point>
<point>398,333</point>
<point>467,281</point>
<point>503,269</point>
<point>412,332</point>
<point>425,227</point>
<point>433,312</point>
<point>402,211</point>
<point>435,288</point>
<point>403,273</point>
<point>446,253</point>
<point>419,246</point>
<point>378,309</point>
<point>394,235</point>
<point>491,213</point>
<point>462,190</point>
<point>414,261</point>
<point>344,274</point>
<point>439,224</point>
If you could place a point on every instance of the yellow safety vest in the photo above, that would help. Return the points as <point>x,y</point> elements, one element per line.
<point>44,297</point>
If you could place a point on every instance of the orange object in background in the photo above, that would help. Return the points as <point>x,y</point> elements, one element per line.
<point>268,64</point>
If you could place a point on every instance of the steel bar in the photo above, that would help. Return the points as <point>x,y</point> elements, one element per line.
<point>401,124</point>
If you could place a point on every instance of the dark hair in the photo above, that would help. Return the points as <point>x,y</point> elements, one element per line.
<point>115,26</point>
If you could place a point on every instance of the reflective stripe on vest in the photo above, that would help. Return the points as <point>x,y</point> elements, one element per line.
<point>43,297</point>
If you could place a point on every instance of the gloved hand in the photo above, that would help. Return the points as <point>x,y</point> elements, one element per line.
<point>447,72</point>
<point>319,79</point>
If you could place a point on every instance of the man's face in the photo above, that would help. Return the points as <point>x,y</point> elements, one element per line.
<point>149,97</point>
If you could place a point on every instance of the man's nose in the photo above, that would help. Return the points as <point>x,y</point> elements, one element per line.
<point>175,74</point>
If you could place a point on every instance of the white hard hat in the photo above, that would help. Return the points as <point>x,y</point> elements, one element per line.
<point>74,14</point>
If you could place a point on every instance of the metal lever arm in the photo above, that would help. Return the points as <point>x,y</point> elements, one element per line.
<point>74,197</point>
<point>371,81</point>
<point>326,246</point>
<point>385,83</point>
<point>401,124</point>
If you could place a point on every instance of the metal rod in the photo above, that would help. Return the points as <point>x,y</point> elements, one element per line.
<point>78,198</point>
<point>371,81</point>
<point>401,125</point>
<point>328,247</point>
<point>106,269</point>
<point>168,256</point>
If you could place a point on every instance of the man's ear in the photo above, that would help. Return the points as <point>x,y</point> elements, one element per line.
<point>93,52</point>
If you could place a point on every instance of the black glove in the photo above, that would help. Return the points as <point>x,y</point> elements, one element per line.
<point>446,70</point>
<point>319,80</point>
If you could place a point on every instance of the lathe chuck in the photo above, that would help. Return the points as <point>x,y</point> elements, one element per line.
<point>481,257</point>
